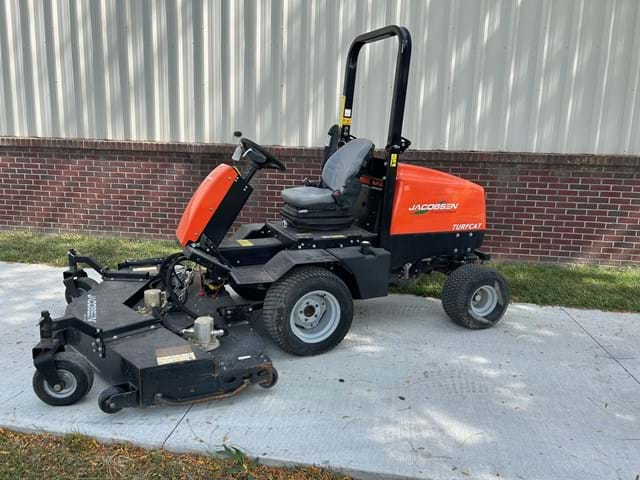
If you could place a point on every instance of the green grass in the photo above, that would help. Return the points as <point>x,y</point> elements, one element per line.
<point>29,247</point>
<point>616,289</point>
<point>25,456</point>
<point>580,286</point>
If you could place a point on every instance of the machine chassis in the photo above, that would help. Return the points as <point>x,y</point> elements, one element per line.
<point>290,273</point>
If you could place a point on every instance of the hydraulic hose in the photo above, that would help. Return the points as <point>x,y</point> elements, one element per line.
<point>166,272</point>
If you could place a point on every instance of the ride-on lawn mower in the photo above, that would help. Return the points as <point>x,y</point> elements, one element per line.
<point>166,331</point>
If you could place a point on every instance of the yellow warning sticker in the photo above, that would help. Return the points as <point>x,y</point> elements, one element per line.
<point>182,357</point>
<point>245,243</point>
<point>346,121</point>
<point>394,159</point>
<point>169,355</point>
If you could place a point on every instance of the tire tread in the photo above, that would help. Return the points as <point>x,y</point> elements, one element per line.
<point>454,293</point>
<point>72,360</point>
<point>276,298</point>
<point>82,283</point>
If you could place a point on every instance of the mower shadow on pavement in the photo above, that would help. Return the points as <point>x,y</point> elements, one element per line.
<point>445,398</point>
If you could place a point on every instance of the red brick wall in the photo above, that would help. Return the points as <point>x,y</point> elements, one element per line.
<point>541,208</point>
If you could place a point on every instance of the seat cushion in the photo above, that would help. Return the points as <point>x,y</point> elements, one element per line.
<point>308,197</point>
<point>316,219</point>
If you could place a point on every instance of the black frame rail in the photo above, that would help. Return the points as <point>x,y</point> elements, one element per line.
<point>396,143</point>
<point>74,259</point>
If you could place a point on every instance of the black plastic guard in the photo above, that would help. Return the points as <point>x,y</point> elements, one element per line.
<point>370,271</point>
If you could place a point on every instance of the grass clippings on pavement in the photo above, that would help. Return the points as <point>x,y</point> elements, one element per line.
<point>24,456</point>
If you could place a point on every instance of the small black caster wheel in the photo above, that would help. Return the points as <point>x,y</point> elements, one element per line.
<point>83,285</point>
<point>105,400</point>
<point>271,381</point>
<point>77,379</point>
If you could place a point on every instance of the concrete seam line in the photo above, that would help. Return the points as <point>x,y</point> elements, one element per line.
<point>176,425</point>
<point>601,346</point>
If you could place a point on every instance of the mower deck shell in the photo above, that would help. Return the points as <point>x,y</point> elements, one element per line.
<point>152,363</point>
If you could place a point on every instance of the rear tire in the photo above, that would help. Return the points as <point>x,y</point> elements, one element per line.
<point>475,297</point>
<point>76,374</point>
<point>83,285</point>
<point>308,311</point>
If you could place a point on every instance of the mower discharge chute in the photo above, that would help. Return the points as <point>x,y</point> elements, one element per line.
<point>167,331</point>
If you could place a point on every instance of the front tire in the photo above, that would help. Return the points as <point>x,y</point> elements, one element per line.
<point>308,311</point>
<point>475,297</point>
<point>77,377</point>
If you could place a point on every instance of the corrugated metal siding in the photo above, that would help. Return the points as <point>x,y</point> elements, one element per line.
<point>515,75</point>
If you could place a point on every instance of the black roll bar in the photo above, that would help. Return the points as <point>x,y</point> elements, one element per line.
<point>403,60</point>
<point>396,143</point>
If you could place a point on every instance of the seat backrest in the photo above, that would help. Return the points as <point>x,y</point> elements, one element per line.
<point>345,163</point>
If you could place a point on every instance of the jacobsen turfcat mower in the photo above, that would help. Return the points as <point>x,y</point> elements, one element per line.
<point>166,331</point>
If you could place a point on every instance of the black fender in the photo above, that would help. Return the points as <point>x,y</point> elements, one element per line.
<point>366,275</point>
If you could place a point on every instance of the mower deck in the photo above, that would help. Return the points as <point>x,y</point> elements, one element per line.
<point>145,357</point>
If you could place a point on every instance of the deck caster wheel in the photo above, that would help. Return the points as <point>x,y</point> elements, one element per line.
<point>475,297</point>
<point>105,400</point>
<point>77,379</point>
<point>308,311</point>
<point>83,285</point>
<point>271,381</point>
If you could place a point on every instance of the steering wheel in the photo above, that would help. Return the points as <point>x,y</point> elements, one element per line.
<point>264,159</point>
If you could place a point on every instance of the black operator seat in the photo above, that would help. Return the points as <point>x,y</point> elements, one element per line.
<point>327,206</point>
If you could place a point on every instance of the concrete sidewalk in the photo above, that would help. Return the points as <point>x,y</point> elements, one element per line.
<point>550,393</point>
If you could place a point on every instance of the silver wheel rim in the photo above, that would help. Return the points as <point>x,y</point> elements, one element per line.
<point>484,301</point>
<point>70,385</point>
<point>315,316</point>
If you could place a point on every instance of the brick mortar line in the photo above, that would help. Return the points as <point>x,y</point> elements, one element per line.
<point>479,157</point>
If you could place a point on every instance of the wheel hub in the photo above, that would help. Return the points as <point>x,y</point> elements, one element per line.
<point>484,300</point>
<point>315,316</point>
<point>310,311</point>
<point>68,386</point>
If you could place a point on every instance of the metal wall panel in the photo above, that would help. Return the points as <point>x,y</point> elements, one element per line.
<point>514,75</point>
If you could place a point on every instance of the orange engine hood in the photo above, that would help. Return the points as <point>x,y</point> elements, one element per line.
<point>428,201</point>
<point>204,203</point>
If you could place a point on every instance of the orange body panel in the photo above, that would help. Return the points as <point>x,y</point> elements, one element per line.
<point>204,202</point>
<point>427,201</point>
